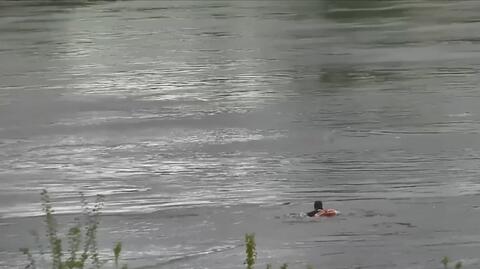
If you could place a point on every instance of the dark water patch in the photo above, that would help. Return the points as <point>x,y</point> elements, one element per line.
<point>55,3</point>
<point>151,9</point>
<point>24,30</point>
<point>407,224</point>
<point>452,244</point>
<point>43,20</point>
<point>216,34</point>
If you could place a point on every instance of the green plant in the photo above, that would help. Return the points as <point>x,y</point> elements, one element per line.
<point>251,253</point>
<point>116,253</point>
<point>250,250</point>
<point>81,239</point>
<point>446,263</point>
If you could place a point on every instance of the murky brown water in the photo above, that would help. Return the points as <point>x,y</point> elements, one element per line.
<point>199,119</point>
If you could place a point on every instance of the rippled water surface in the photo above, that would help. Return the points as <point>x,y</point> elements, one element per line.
<point>202,120</point>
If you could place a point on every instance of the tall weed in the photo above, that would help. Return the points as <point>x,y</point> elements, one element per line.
<point>81,240</point>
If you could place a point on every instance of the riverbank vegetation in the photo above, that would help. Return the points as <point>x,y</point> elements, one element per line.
<point>77,249</point>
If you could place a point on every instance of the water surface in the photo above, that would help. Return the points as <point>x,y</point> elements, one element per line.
<point>202,120</point>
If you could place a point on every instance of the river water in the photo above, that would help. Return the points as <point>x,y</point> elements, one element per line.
<point>203,120</point>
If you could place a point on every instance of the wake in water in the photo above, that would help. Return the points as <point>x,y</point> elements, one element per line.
<point>317,213</point>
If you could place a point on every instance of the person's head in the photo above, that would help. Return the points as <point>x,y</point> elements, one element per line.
<point>318,205</point>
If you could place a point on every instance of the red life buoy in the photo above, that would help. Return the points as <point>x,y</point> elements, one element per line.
<point>326,213</point>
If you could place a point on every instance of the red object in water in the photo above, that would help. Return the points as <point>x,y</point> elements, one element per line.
<point>326,213</point>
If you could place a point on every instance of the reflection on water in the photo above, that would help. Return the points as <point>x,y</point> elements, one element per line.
<point>200,119</point>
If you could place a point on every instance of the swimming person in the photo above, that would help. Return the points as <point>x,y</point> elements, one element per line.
<point>320,212</point>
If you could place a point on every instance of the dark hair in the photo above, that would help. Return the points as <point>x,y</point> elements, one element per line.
<point>318,205</point>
